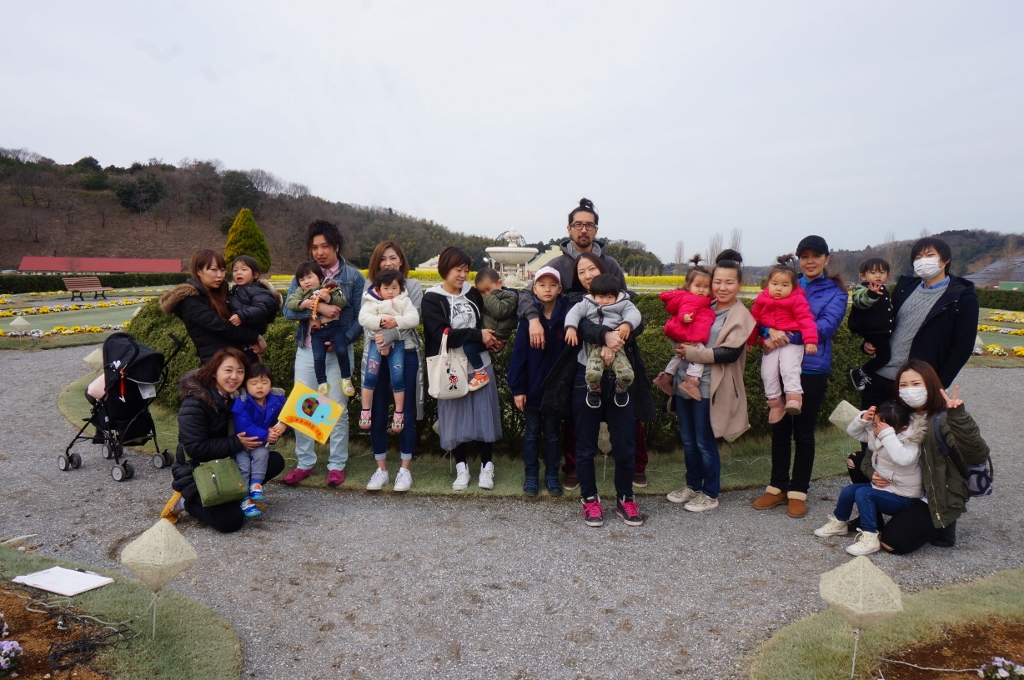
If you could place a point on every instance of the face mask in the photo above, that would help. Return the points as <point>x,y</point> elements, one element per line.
<point>927,267</point>
<point>914,397</point>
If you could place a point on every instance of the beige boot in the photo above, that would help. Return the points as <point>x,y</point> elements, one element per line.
<point>776,409</point>
<point>691,386</point>
<point>794,403</point>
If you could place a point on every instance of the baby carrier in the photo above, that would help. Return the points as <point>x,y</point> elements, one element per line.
<point>133,375</point>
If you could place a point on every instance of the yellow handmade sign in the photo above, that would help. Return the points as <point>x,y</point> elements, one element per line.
<point>310,413</point>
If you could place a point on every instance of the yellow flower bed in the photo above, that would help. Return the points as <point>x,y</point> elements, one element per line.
<point>1018,351</point>
<point>1006,317</point>
<point>995,350</point>
<point>50,309</point>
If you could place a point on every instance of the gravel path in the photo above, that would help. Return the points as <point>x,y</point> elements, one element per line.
<point>341,584</point>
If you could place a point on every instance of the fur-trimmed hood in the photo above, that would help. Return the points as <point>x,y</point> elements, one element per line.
<point>170,300</point>
<point>190,386</point>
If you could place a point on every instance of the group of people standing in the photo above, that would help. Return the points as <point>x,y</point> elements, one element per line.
<point>576,363</point>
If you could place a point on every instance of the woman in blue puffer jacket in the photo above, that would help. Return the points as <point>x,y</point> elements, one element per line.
<point>828,299</point>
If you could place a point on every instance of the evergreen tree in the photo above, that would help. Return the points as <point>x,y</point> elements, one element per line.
<point>245,238</point>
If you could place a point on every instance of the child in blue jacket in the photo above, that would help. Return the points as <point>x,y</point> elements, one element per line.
<point>527,371</point>
<point>256,414</point>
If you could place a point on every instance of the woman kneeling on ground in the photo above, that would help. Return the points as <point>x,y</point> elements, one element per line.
<point>203,420</point>
<point>722,409</point>
<point>933,519</point>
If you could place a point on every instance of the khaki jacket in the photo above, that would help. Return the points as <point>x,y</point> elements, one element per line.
<point>728,396</point>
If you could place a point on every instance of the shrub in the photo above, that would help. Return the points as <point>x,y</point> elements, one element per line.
<point>245,238</point>
<point>1010,300</point>
<point>46,283</point>
<point>151,327</point>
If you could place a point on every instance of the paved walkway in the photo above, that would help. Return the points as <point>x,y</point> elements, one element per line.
<point>342,584</point>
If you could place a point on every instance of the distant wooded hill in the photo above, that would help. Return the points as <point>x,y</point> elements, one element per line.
<point>156,209</point>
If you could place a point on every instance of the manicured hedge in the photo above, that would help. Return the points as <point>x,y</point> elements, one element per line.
<point>151,327</point>
<point>46,283</point>
<point>1010,300</point>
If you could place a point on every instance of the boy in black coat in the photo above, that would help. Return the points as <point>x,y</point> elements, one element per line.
<point>872,317</point>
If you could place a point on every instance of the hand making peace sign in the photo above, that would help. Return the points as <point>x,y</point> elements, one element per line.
<point>954,401</point>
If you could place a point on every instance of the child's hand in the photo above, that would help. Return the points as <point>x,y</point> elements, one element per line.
<point>880,426</point>
<point>385,319</point>
<point>520,400</point>
<point>688,318</point>
<point>306,304</point>
<point>384,351</point>
<point>623,331</point>
<point>324,295</point>
<point>876,286</point>
<point>869,414</point>
<point>810,349</point>
<point>274,433</point>
<point>570,336</point>
<point>235,321</point>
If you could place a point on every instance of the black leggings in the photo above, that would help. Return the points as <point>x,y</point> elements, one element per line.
<point>910,529</point>
<point>483,448</point>
<point>798,429</point>
<point>228,518</point>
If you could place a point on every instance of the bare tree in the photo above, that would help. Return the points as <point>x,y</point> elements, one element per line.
<point>68,205</point>
<point>736,240</point>
<point>679,259</point>
<point>1009,254</point>
<point>296,190</point>
<point>102,209</point>
<point>714,247</point>
<point>265,182</point>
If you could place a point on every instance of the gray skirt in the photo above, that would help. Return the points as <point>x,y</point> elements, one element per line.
<point>475,417</point>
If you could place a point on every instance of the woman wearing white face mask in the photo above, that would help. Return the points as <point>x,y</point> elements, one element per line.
<point>936,321</point>
<point>933,518</point>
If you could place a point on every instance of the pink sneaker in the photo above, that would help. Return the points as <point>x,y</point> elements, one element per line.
<point>335,477</point>
<point>297,475</point>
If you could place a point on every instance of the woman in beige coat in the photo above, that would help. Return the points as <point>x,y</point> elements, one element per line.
<point>722,408</point>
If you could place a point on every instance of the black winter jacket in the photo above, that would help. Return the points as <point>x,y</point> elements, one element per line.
<point>876,320</point>
<point>946,338</point>
<point>436,314</point>
<point>190,302</point>
<point>256,304</point>
<point>203,420</point>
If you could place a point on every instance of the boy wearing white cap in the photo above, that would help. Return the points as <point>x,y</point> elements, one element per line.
<point>527,371</point>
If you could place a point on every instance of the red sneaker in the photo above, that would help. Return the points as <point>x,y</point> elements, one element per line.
<point>335,477</point>
<point>297,475</point>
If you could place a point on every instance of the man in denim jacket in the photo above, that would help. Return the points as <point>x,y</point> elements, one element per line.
<point>323,241</point>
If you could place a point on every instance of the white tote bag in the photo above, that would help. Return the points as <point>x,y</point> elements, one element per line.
<point>446,372</point>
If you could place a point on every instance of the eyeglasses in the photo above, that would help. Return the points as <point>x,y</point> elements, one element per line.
<point>580,226</point>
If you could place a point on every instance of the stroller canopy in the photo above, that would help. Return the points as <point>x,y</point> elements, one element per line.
<point>140,363</point>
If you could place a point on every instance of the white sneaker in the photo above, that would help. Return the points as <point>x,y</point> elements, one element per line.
<point>866,544</point>
<point>461,482</point>
<point>700,503</point>
<point>834,527</point>
<point>487,476</point>
<point>683,495</point>
<point>378,481</point>
<point>403,480</point>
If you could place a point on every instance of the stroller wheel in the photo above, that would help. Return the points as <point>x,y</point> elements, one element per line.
<point>158,460</point>
<point>107,453</point>
<point>117,472</point>
<point>76,461</point>
<point>63,463</point>
<point>129,471</point>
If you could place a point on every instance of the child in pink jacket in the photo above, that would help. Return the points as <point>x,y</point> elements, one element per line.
<point>783,306</point>
<point>690,321</point>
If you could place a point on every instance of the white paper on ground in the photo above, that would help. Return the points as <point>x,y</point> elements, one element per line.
<point>67,582</point>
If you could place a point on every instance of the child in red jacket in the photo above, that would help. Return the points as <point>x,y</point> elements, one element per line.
<point>782,306</point>
<point>690,321</point>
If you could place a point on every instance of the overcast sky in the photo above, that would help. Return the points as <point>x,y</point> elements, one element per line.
<point>678,119</point>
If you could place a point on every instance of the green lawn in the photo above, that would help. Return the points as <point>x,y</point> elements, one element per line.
<point>81,317</point>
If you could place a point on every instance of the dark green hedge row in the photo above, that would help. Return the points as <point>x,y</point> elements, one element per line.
<point>151,327</point>
<point>46,283</point>
<point>1010,300</point>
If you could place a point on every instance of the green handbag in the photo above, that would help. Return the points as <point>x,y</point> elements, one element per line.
<point>219,481</point>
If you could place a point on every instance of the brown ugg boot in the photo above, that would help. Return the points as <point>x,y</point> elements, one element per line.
<point>691,386</point>
<point>794,402</point>
<point>796,504</point>
<point>776,409</point>
<point>772,497</point>
<point>664,383</point>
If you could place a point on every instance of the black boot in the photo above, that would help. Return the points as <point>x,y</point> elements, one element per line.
<point>945,537</point>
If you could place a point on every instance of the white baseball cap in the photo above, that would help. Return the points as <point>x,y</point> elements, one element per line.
<point>548,271</point>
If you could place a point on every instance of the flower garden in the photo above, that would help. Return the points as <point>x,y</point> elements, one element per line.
<point>1001,333</point>
<point>45,316</point>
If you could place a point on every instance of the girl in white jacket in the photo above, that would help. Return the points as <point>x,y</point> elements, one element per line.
<point>894,437</point>
<point>384,301</point>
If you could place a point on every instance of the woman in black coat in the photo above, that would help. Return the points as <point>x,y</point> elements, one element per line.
<point>201,303</point>
<point>203,431</point>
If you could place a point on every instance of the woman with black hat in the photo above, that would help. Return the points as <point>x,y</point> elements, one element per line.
<point>828,299</point>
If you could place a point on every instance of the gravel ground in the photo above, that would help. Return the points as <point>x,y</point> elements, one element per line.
<point>342,584</point>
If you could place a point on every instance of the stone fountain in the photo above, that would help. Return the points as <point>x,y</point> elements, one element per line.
<point>511,260</point>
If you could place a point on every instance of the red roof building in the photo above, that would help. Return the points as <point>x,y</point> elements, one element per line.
<point>98,265</point>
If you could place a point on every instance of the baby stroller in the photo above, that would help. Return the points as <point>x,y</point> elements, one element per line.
<point>133,375</point>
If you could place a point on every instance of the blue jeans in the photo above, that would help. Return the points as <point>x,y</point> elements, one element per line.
<point>541,426</point>
<point>700,450</point>
<point>621,428</point>
<point>473,351</point>
<point>379,410</point>
<point>334,333</point>
<point>394,360</point>
<point>870,502</point>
